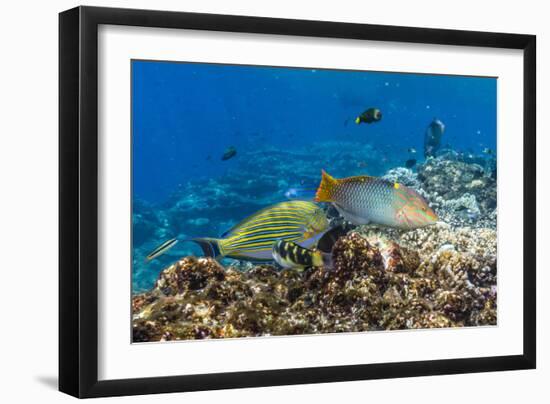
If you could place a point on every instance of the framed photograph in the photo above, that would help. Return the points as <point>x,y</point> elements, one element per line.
<point>251,201</point>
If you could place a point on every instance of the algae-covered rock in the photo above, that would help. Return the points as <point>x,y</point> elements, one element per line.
<point>376,283</point>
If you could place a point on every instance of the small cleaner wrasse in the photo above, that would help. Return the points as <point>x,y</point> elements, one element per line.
<point>161,249</point>
<point>252,239</point>
<point>364,200</point>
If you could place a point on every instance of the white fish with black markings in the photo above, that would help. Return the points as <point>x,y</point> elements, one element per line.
<point>291,255</point>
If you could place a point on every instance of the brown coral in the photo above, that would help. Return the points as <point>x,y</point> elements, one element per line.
<point>375,284</point>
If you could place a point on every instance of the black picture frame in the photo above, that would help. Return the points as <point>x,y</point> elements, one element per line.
<point>78,201</point>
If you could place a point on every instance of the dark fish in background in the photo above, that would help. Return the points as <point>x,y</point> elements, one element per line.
<point>411,150</point>
<point>209,157</point>
<point>369,116</point>
<point>230,152</point>
<point>362,164</point>
<point>432,138</point>
<point>410,163</point>
<point>487,151</point>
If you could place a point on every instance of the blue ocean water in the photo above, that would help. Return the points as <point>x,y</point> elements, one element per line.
<point>285,124</point>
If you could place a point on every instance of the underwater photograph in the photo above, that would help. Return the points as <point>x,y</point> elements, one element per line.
<point>277,201</point>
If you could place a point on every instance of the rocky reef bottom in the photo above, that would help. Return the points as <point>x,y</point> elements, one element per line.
<point>434,277</point>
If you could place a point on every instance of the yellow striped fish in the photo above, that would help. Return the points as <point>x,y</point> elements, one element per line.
<point>301,222</point>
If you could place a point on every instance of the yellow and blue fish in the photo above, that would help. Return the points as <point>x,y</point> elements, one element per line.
<point>252,239</point>
<point>364,200</point>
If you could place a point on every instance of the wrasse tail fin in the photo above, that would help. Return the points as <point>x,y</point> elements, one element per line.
<point>210,246</point>
<point>325,190</point>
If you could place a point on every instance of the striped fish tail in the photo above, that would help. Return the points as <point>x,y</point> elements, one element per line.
<point>326,188</point>
<point>210,246</point>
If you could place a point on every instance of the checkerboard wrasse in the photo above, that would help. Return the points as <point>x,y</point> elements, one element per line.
<point>363,200</point>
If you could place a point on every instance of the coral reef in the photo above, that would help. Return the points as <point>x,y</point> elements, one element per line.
<point>424,279</point>
<point>461,193</point>
<point>404,176</point>
<point>383,279</point>
<point>460,190</point>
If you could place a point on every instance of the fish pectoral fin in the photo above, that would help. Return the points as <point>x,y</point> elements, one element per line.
<point>351,217</point>
<point>308,234</point>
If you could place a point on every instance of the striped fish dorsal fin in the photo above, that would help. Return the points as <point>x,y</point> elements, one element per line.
<point>292,208</point>
<point>230,232</point>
